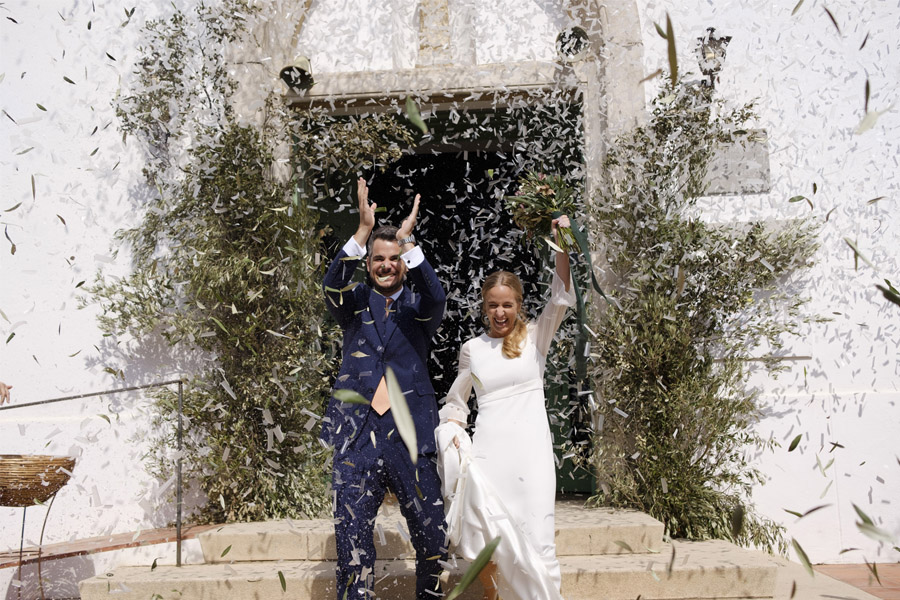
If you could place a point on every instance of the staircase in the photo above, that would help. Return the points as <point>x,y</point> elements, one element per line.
<point>613,555</point>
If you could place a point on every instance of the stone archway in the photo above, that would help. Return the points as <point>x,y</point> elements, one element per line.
<point>446,78</point>
<point>608,78</point>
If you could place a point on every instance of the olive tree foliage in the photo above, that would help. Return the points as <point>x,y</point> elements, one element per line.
<point>227,264</point>
<point>692,303</point>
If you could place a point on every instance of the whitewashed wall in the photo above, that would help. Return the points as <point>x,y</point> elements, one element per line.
<point>809,82</point>
<point>67,183</point>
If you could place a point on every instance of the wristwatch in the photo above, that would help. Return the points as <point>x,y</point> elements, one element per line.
<point>407,240</point>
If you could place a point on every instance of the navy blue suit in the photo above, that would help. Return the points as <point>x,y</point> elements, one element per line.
<point>370,457</point>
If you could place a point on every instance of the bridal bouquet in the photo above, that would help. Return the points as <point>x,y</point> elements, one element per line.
<point>540,199</point>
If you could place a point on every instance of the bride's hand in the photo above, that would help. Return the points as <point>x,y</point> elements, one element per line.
<point>456,437</point>
<point>562,222</point>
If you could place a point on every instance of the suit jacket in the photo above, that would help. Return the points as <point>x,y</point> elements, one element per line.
<point>372,343</point>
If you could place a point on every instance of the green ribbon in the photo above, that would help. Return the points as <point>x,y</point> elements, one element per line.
<point>581,338</point>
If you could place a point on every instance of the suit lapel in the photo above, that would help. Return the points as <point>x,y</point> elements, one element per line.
<point>376,310</point>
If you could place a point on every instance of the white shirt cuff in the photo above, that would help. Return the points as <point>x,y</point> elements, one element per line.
<point>351,248</point>
<point>414,257</point>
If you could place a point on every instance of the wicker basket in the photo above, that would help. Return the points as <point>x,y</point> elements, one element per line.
<point>28,479</point>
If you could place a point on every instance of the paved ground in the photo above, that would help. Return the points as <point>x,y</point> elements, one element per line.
<point>861,577</point>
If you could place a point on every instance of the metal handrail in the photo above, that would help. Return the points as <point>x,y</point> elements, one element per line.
<point>179,437</point>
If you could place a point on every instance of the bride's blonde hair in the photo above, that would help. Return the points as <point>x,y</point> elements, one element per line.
<point>512,343</point>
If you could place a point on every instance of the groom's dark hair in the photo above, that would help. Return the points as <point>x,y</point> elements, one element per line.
<point>385,232</point>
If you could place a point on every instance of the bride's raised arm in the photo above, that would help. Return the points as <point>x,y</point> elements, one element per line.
<point>561,295</point>
<point>562,259</point>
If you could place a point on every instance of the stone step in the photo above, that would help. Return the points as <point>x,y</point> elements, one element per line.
<point>711,569</point>
<point>579,531</point>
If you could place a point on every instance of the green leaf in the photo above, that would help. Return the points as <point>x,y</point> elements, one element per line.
<point>219,323</point>
<point>350,397</point>
<point>405,425</point>
<point>652,75</point>
<point>67,80</point>
<point>857,255</point>
<point>794,442</point>
<point>866,96</point>
<point>659,30</point>
<point>623,545</point>
<point>11,336</point>
<point>737,520</point>
<point>874,532</point>
<point>802,198</point>
<point>796,8</point>
<point>153,566</point>
<point>673,55</point>
<point>480,562</point>
<point>105,418</point>
<point>807,513</point>
<point>40,106</point>
<point>414,116</point>
<point>13,208</point>
<point>814,509</point>
<point>553,245</point>
<point>873,568</point>
<point>671,564</point>
<point>225,551</point>
<point>12,248</point>
<point>863,516</point>
<point>801,555</point>
<point>890,295</point>
<point>283,582</point>
<point>833,20</point>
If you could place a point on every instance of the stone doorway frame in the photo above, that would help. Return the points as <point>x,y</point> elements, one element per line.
<point>609,79</point>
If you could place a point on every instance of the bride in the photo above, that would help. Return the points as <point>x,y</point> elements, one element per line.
<point>503,481</point>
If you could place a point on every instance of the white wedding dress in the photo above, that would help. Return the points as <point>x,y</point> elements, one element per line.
<point>505,482</point>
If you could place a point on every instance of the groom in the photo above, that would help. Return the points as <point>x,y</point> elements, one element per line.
<point>385,324</point>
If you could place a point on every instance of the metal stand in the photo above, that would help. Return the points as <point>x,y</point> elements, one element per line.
<point>39,553</point>
<point>21,545</point>
<point>41,546</point>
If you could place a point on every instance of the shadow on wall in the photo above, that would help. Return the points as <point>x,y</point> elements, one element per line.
<point>142,362</point>
<point>60,577</point>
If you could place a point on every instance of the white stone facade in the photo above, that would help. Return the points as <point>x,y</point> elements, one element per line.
<point>68,182</point>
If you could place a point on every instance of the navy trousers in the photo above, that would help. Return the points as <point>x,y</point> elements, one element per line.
<point>362,475</point>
